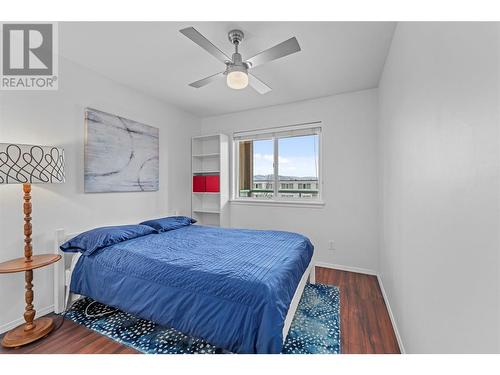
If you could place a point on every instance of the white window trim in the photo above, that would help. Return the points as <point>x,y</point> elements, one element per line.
<point>278,203</point>
<point>276,200</point>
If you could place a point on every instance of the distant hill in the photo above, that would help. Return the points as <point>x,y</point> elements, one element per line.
<point>261,177</point>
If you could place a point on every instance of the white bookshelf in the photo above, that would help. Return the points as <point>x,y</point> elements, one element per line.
<point>210,156</point>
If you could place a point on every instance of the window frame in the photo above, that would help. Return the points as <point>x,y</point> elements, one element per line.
<point>277,133</point>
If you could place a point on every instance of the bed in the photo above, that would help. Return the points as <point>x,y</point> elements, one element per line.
<point>238,289</point>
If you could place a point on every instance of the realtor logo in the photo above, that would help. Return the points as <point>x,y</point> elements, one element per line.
<point>29,56</point>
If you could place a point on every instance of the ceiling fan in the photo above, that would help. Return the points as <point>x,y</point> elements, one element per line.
<point>236,72</point>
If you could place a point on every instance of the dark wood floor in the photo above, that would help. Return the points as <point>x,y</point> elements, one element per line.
<point>365,323</point>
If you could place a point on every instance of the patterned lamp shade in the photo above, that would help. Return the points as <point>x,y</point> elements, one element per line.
<point>29,164</point>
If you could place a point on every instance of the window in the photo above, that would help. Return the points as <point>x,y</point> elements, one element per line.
<point>278,164</point>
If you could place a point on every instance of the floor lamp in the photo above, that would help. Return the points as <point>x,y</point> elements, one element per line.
<point>28,164</point>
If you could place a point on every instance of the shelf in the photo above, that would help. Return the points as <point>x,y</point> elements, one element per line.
<point>206,155</point>
<point>203,137</point>
<point>209,158</point>
<point>20,265</point>
<point>206,172</point>
<point>206,211</point>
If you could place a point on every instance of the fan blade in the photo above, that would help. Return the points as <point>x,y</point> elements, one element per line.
<point>280,50</point>
<point>258,85</point>
<point>206,81</point>
<point>204,43</point>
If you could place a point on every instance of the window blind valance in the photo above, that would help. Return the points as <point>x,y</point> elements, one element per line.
<point>279,132</point>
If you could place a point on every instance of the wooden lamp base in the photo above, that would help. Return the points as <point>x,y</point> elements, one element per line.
<point>20,336</point>
<point>33,329</point>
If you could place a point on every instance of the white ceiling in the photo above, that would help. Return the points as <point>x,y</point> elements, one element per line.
<point>155,58</point>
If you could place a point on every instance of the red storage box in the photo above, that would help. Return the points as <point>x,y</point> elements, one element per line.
<point>212,184</point>
<point>198,184</point>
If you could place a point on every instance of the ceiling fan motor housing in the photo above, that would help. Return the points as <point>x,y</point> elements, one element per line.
<point>237,65</point>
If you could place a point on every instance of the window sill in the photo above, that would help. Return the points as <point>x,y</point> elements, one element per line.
<point>249,202</point>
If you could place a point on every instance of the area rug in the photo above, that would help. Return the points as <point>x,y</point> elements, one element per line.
<point>315,328</point>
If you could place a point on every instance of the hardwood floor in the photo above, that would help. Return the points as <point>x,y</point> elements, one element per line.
<point>365,323</point>
<point>72,338</point>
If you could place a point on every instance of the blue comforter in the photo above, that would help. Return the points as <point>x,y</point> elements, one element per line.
<point>231,287</point>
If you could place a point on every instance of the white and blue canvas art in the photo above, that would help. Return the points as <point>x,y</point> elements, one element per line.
<point>120,154</point>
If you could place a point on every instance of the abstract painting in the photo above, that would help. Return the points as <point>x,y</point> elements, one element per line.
<point>120,154</point>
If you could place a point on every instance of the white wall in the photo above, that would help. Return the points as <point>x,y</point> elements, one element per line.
<point>56,118</point>
<point>350,215</point>
<point>439,143</point>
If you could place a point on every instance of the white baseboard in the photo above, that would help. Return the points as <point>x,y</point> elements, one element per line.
<point>340,267</point>
<point>40,312</point>
<point>391,315</point>
<point>384,294</point>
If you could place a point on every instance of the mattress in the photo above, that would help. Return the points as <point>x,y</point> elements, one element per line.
<point>231,287</point>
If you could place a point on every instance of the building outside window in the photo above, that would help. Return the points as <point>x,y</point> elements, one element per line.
<point>278,164</point>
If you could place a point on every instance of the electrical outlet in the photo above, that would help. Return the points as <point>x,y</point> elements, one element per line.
<point>331,245</point>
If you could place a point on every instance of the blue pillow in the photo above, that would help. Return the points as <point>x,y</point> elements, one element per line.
<point>169,223</point>
<point>95,239</point>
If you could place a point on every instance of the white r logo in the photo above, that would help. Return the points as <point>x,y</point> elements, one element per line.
<point>18,50</point>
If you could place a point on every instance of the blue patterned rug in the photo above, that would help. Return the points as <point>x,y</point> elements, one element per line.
<point>315,327</point>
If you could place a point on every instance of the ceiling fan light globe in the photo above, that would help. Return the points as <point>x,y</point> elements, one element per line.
<point>237,80</point>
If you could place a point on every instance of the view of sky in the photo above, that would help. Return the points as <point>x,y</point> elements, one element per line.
<point>297,156</point>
